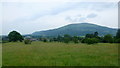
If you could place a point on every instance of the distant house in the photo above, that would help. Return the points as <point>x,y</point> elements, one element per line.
<point>30,38</point>
<point>27,37</point>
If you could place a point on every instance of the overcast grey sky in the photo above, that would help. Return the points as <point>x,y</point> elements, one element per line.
<point>28,17</point>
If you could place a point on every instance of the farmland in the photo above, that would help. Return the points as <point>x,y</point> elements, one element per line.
<point>59,54</point>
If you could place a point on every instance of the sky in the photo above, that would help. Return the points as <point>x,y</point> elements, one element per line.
<point>28,16</point>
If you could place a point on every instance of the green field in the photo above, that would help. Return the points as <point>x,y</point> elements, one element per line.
<point>0,54</point>
<point>59,54</point>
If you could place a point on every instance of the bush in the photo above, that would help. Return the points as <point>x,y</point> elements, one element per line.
<point>75,39</point>
<point>66,38</point>
<point>90,40</point>
<point>44,40</point>
<point>117,40</point>
<point>27,41</point>
<point>108,39</point>
<point>83,41</point>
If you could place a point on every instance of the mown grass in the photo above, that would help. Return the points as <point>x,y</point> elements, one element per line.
<point>59,54</point>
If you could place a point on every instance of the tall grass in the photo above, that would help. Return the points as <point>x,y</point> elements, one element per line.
<point>59,54</point>
<point>0,54</point>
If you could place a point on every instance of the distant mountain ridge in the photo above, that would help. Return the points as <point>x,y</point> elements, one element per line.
<point>79,29</point>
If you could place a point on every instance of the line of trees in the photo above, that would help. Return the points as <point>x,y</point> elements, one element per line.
<point>14,36</point>
<point>89,38</point>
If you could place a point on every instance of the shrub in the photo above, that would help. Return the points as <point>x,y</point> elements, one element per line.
<point>67,38</point>
<point>108,39</point>
<point>83,41</point>
<point>27,41</point>
<point>89,36</point>
<point>117,40</point>
<point>75,39</point>
<point>44,40</point>
<point>91,40</point>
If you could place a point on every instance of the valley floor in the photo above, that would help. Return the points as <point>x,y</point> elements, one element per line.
<point>59,54</point>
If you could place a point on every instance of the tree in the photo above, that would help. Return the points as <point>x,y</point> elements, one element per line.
<point>117,37</point>
<point>45,40</point>
<point>96,34</point>
<point>75,39</point>
<point>117,40</point>
<point>15,36</point>
<point>55,39</point>
<point>118,34</point>
<point>91,40</point>
<point>108,38</point>
<point>89,36</point>
<point>67,38</point>
<point>59,38</point>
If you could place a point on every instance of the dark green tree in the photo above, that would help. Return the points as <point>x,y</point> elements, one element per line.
<point>55,39</point>
<point>91,40</point>
<point>118,34</point>
<point>89,36</point>
<point>108,38</point>
<point>15,36</point>
<point>117,37</point>
<point>67,38</point>
<point>75,39</point>
<point>95,34</point>
<point>59,38</point>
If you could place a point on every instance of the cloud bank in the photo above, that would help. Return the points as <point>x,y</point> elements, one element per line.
<point>27,17</point>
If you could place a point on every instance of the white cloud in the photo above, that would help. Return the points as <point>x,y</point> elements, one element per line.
<point>30,17</point>
<point>59,0</point>
<point>14,11</point>
<point>1,19</point>
<point>108,17</point>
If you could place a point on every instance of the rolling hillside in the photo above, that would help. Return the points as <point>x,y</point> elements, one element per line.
<point>80,29</point>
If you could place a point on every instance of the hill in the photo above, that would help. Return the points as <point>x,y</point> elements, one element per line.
<point>79,29</point>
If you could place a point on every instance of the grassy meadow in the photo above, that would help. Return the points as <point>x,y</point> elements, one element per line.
<point>59,54</point>
<point>0,54</point>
